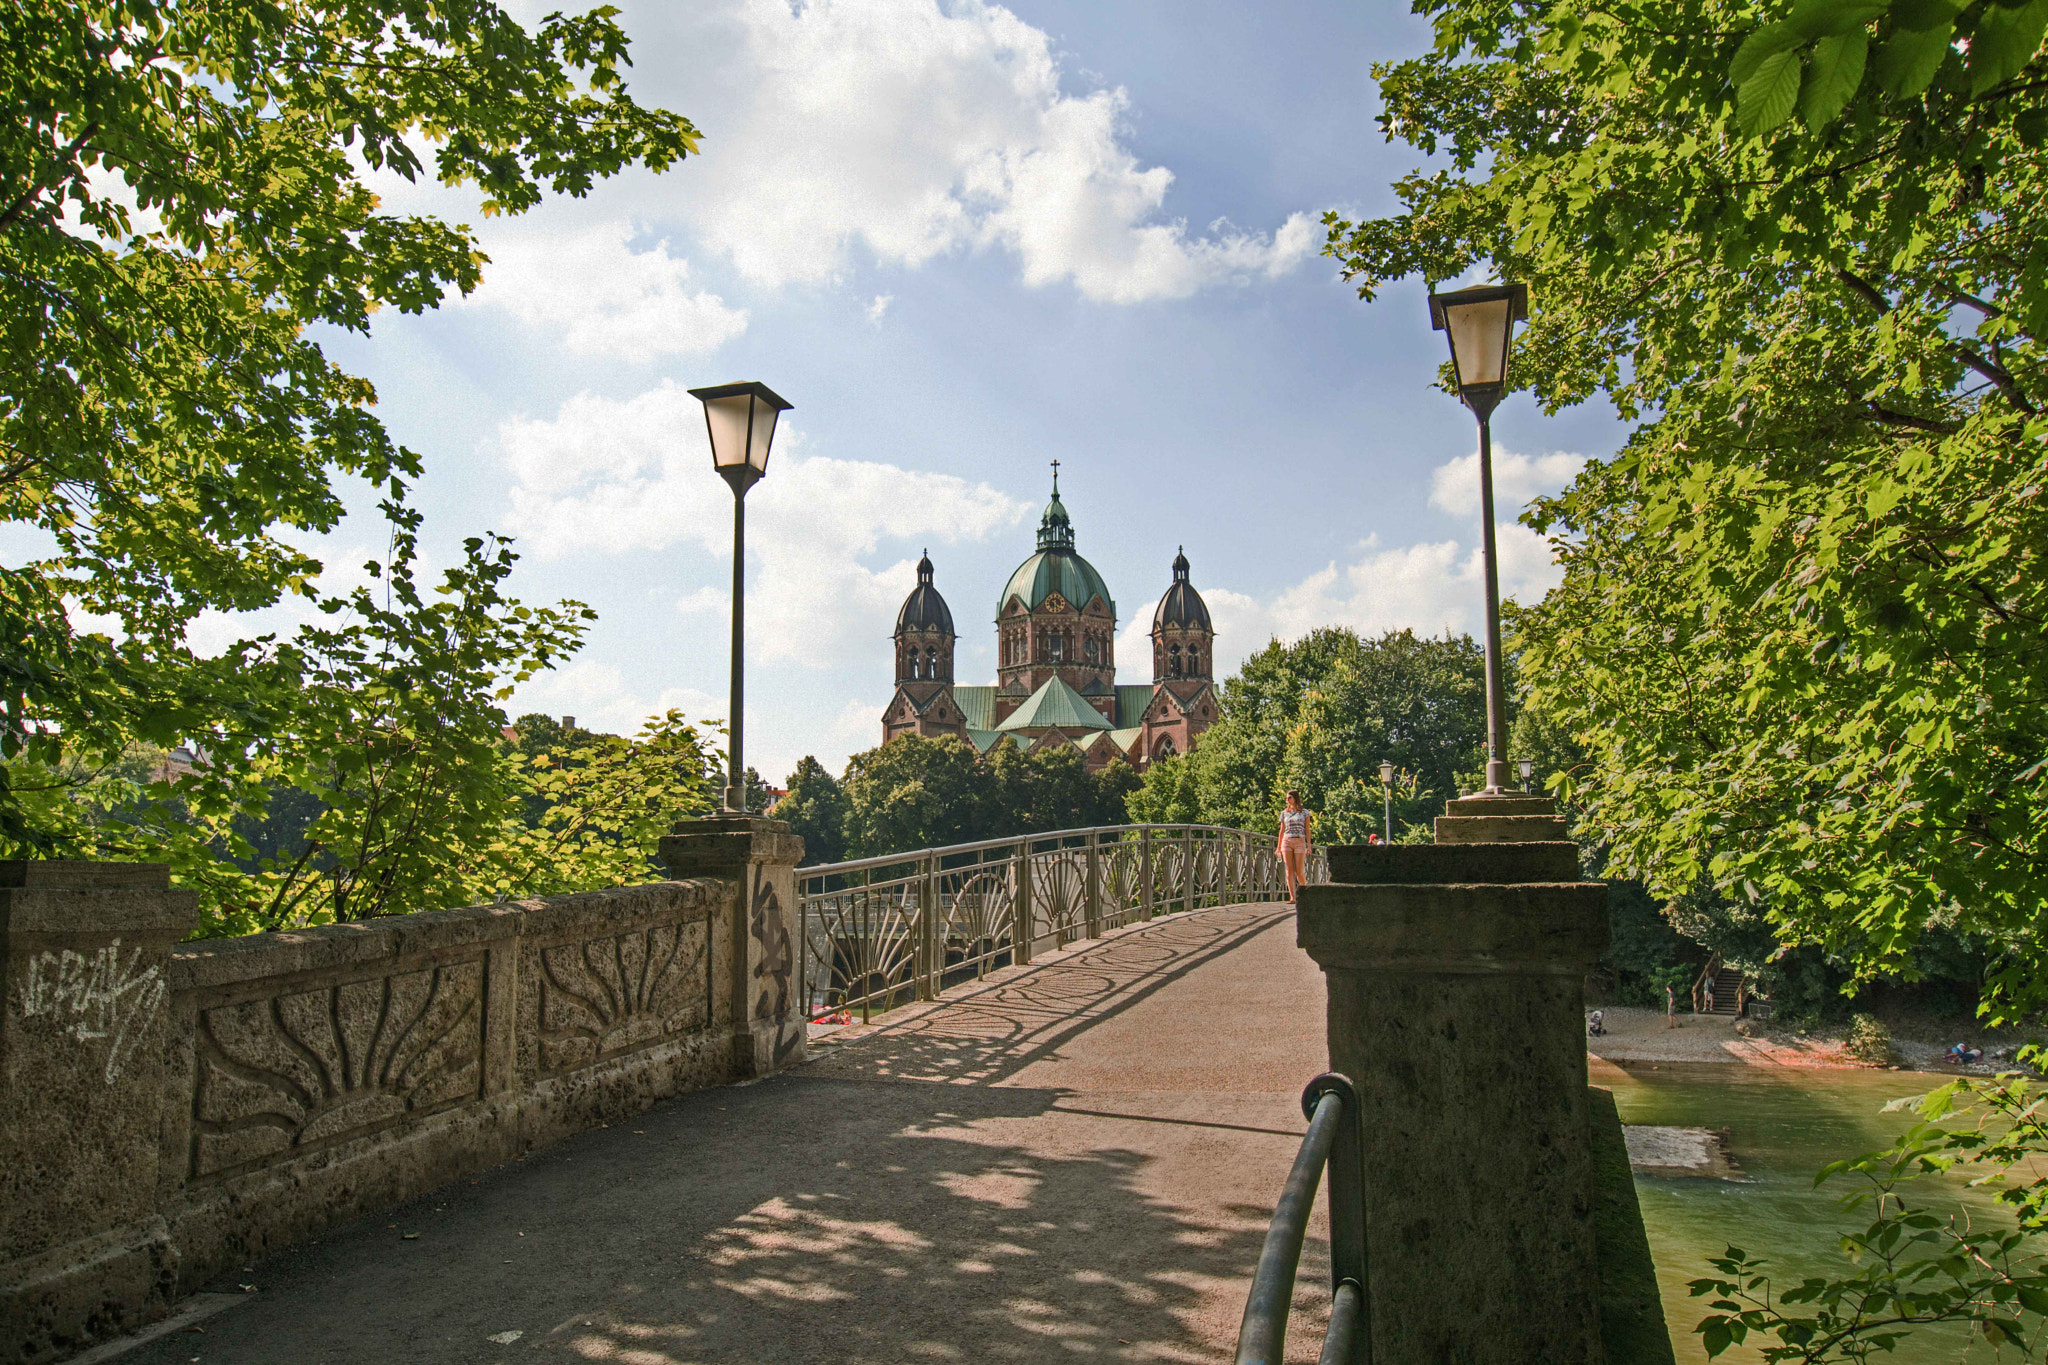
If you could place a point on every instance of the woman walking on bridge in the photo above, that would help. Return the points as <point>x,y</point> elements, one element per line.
<point>1293,847</point>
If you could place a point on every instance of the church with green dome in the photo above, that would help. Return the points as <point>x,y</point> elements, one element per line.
<point>1056,663</point>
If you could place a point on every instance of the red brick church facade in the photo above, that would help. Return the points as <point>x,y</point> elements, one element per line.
<point>1056,663</point>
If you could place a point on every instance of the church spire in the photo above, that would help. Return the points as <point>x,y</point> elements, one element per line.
<point>1055,530</point>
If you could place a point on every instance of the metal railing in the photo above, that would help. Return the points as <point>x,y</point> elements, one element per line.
<point>882,932</point>
<point>1334,1139</point>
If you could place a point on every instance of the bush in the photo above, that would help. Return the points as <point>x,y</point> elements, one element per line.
<point>1869,1040</point>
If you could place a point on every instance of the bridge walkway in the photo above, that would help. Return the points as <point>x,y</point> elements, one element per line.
<point>1073,1160</point>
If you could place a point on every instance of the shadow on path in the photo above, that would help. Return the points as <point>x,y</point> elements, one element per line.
<point>1001,1177</point>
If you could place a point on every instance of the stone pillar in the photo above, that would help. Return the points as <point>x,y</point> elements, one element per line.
<point>1456,990</point>
<point>84,1033</point>
<point>763,967</point>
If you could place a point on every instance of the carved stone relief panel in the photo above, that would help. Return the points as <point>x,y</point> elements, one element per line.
<point>600,997</point>
<point>300,1069</point>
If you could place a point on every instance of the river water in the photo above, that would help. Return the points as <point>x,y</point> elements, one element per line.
<point>1784,1124</point>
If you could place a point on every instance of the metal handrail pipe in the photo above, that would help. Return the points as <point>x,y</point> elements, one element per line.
<point>1347,1317</point>
<point>1336,1139</point>
<point>911,855</point>
<point>1263,1334</point>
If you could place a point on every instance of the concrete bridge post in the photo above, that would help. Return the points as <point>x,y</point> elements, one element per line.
<point>1455,978</point>
<point>765,996</point>
<point>84,1050</point>
<point>1091,914</point>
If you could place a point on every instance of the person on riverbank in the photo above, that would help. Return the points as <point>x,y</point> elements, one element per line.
<point>1292,849</point>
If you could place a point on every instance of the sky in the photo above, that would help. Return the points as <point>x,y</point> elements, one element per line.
<point>964,240</point>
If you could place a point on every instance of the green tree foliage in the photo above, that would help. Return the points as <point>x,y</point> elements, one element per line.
<point>1800,636</point>
<point>916,793</point>
<point>182,203</point>
<point>1319,715</point>
<point>913,793</point>
<point>386,731</point>
<point>816,809</point>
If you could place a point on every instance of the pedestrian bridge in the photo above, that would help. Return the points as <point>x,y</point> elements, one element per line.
<point>1070,1159</point>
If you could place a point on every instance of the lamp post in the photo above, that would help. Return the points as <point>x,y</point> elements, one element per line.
<point>740,419</point>
<point>1387,788</point>
<point>1527,767</point>
<point>1481,323</point>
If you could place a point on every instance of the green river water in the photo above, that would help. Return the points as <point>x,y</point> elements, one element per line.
<point>1784,1125</point>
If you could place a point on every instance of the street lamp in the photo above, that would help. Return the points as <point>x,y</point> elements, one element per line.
<point>1528,770</point>
<point>1481,323</point>
<point>740,419</point>
<point>1387,788</point>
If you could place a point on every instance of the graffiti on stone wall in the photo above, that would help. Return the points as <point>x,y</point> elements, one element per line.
<point>96,997</point>
<point>605,996</point>
<point>295,1070</point>
<point>774,968</point>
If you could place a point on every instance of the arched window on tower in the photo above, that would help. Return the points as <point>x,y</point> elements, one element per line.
<point>931,664</point>
<point>1059,650</point>
<point>1173,661</point>
<point>1194,663</point>
<point>1089,649</point>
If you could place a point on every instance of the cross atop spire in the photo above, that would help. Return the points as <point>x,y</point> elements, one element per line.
<point>1055,478</point>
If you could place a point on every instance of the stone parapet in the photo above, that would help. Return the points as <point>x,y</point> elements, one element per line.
<point>167,1111</point>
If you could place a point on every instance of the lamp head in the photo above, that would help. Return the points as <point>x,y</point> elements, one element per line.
<point>1527,768</point>
<point>1481,323</point>
<point>740,419</point>
<point>1386,772</point>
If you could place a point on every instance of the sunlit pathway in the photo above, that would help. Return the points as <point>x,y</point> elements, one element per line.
<point>1073,1160</point>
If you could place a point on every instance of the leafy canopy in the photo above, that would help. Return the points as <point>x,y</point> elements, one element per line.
<point>1801,632</point>
<point>1320,715</point>
<point>182,199</point>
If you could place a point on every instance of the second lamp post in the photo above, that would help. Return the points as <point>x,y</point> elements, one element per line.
<point>1481,323</point>
<point>741,421</point>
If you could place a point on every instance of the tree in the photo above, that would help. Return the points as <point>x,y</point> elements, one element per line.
<point>1320,715</point>
<point>1416,701</point>
<point>1800,635</point>
<point>913,793</point>
<point>817,810</point>
<point>181,203</point>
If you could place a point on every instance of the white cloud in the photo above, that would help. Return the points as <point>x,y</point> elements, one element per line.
<point>599,296</point>
<point>1430,587</point>
<point>879,307</point>
<point>597,695</point>
<point>616,476</point>
<point>704,602</point>
<point>1454,487</point>
<point>916,131</point>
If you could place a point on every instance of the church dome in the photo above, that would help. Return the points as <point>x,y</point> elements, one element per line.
<point>924,609</point>
<point>1055,568</point>
<point>1182,606</point>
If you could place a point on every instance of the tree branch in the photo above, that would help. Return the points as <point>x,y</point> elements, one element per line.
<point>1997,374</point>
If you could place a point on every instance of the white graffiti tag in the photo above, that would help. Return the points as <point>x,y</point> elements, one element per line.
<point>96,996</point>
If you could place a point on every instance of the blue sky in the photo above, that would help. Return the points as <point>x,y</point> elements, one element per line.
<point>963,240</point>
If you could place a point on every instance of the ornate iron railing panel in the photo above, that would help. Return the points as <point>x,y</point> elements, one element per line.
<point>880,932</point>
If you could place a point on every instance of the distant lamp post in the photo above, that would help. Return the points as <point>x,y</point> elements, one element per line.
<point>1481,323</point>
<point>740,419</point>
<point>1387,789</point>
<point>1528,770</point>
